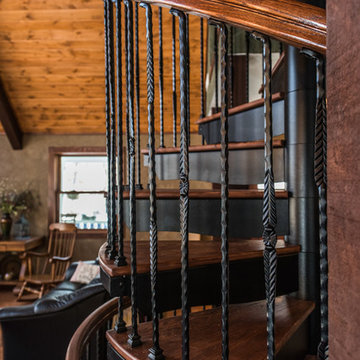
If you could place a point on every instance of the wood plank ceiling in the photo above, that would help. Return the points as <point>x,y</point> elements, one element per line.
<point>52,65</point>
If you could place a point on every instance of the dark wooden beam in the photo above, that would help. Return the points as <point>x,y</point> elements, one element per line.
<point>9,120</point>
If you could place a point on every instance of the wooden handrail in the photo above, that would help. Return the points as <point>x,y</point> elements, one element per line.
<point>290,21</point>
<point>90,325</point>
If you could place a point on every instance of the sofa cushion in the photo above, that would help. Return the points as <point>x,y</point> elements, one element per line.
<point>85,273</point>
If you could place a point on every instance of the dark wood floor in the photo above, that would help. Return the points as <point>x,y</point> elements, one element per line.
<point>7,298</point>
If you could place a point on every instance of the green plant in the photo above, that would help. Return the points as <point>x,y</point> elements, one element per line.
<point>13,201</point>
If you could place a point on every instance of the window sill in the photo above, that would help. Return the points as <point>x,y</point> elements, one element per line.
<point>98,234</point>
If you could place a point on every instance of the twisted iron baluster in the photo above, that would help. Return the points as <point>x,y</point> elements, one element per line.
<point>247,40</point>
<point>137,97</point>
<point>188,77</point>
<point>174,97</point>
<point>202,68</point>
<point>127,100</point>
<point>230,67</point>
<point>224,190</point>
<point>161,85</point>
<point>216,70</point>
<point>155,353</point>
<point>120,258</point>
<point>320,175</point>
<point>134,338</point>
<point>184,182</point>
<point>112,170</point>
<point>107,119</point>
<point>269,204</point>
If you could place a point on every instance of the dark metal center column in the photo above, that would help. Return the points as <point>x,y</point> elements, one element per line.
<point>300,104</point>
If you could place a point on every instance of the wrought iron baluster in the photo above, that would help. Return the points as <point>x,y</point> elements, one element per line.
<point>161,83</point>
<point>230,67</point>
<point>120,258</point>
<point>188,76</point>
<point>247,40</point>
<point>216,56</point>
<point>137,97</point>
<point>224,189</point>
<point>155,353</point>
<point>134,338</point>
<point>127,100</point>
<point>184,182</point>
<point>107,119</point>
<point>269,203</point>
<point>174,96</point>
<point>112,169</point>
<point>320,175</point>
<point>202,68</point>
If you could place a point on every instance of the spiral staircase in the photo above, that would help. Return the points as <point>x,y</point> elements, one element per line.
<point>257,277</point>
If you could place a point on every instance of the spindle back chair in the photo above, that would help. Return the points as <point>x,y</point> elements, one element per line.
<point>47,269</point>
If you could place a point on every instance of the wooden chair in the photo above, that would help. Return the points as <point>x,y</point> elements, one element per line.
<point>47,269</point>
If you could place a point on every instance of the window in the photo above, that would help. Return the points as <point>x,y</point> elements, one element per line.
<point>78,184</point>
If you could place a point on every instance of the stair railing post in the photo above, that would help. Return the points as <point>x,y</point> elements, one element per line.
<point>137,97</point>
<point>107,124</point>
<point>184,181</point>
<point>174,96</point>
<point>224,73</point>
<point>120,258</point>
<point>269,202</point>
<point>111,142</point>
<point>161,81</point>
<point>155,352</point>
<point>134,338</point>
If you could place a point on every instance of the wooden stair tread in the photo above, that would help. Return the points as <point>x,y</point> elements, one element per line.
<point>241,108</point>
<point>244,145</point>
<point>247,331</point>
<point>206,194</point>
<point>200,253</point>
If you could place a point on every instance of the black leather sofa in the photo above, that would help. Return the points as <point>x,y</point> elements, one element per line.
<point>42,330</point>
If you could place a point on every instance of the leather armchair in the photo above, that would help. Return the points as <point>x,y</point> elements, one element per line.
<point>42,330</point>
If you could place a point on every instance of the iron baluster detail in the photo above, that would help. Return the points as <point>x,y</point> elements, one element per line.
<point>320,177</point>
<point>202,68</point>
<point>184,182</point>
<point>224,72</point>
<point>134,338</point>
<point>188,76</point>
<point>174,96</point>
<point>107,120</point>
<point>120,258</point>
<point>111,58</point>
<point>127,100</point>
<point>269,202</point>
<point>216,64</point>
<point>155,353</point>
<point>161,83</point>
<point>230,67</point>
<point>137,98</point>
<point>247,41</point>
<point>120,325</point>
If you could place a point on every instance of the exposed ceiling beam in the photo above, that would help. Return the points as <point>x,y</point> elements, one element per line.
<point>9,120</point>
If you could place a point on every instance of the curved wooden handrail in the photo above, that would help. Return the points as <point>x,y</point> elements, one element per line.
<point>91,324</point>
<point>293,22</point>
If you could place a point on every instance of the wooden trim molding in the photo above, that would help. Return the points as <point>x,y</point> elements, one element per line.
<point>9,121</point>
<point>298,24</point>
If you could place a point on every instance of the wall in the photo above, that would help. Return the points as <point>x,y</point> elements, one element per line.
<point>30,166</point>
<point>343,76</point>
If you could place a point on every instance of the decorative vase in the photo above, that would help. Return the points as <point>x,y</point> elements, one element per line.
<point>6,223</point>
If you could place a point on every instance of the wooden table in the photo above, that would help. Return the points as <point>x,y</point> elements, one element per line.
<point>19,246</point>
